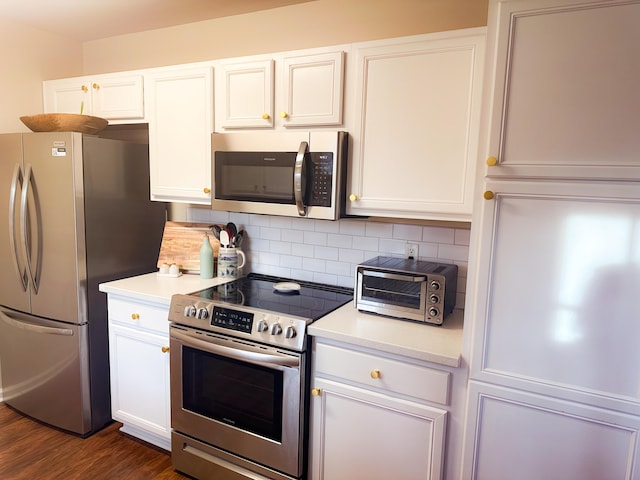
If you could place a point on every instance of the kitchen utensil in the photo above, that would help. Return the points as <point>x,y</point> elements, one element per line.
<point>224,238</point>
<point>216,231</point>
<point>238,239</point>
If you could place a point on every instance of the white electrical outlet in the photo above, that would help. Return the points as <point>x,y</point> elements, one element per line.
<point>411,251</point>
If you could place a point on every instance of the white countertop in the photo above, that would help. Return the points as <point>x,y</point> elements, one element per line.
<point>437,344</point>
<point>156,288</point>
<point>431,343</point>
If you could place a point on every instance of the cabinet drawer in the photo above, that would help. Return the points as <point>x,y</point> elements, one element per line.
<point>139,315</point>
<point>392,375</point>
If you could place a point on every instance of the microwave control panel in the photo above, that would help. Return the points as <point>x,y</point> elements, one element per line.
<point>321,179</point>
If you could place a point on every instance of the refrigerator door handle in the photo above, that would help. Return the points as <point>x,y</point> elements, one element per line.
<point>35,328</point>
<point>29,184</point>
<point>17,181</point>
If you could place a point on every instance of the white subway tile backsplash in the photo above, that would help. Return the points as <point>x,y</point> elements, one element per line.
<point>326,253</point>
<point>337,240</point>
<point>329,251</point>
<point>366,243</point>
<point>352,227</point>
<point>315,238</point>
<point>378,229</point>
<point>407,232</point>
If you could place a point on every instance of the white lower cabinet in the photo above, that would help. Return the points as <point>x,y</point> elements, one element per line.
<point>139,362</point>
<point>530,437</point>
<point>373,417</point>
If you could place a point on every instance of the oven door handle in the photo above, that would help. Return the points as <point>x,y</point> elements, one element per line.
<point>238,354</point>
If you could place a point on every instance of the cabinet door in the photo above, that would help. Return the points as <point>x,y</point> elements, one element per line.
<point>116,97</point>
<point>557,292</point>
<point>361,434</point>
<point>528,437</point>
<point>245,98</point>
<point>72,95</point>
<point>180,109</point>
<point>415,146</point>
<point>565,101</point>
<point>312,87</point>
<point>139,363</point>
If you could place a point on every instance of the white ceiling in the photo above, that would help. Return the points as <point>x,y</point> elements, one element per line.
<point>86,20</point>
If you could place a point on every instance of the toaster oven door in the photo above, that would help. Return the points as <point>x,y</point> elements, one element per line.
<point>401,295</point>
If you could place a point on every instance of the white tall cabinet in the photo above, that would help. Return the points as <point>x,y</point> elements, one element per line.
<point>555,272</point>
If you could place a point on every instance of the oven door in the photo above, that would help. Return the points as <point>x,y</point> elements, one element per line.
<point>240,397</point>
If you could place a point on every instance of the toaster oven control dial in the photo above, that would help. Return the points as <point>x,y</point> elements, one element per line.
<point>433,298</point>
<point>276,329</point>
<point>435,285</point>
<point>434,312</point>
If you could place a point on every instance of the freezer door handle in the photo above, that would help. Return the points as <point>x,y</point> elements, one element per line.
<point>16,183</point>
<point>30,185</point>
<point>35,328</point>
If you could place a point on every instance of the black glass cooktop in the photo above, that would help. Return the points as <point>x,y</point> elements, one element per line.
<point>311,300</point>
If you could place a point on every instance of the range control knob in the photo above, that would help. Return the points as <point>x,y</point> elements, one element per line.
<point>433,298</point>
<point>262,326</point>
<point>434,312</point>
<point>190,311</point>
<point>202,313</point>
<point>435,285</point>
<point>276,329</point>
<point>290,332</point>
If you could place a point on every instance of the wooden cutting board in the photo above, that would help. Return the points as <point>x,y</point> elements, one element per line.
<point>181,244</point>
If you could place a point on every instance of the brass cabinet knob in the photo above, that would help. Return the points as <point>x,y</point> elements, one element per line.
<point>375,373</point>
<point>96,86</point>
<point>165,349</point>
<point>488,195</point>
<point>206,190</point>
<point>353,197</point>
<point>84,88</point>
<point>135,316</point>
<point>316,392</point>
<point>284,114</point>
<point>266,116</point>
<point>492,161</point>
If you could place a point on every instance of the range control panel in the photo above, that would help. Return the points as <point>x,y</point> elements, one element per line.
<point>252,324</point>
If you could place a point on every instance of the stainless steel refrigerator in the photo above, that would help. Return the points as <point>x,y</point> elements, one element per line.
<point>74,212</point>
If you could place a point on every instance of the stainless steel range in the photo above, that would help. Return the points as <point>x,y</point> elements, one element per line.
<point>239,375</point>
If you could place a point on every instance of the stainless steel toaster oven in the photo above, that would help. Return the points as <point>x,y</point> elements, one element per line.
<point>406,289</point>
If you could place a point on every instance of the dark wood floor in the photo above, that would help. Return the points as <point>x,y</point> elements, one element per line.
<point>30,450</point>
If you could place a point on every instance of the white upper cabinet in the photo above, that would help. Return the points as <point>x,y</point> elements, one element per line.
<point>416,129</point>
<point>114,97</point>
<point>180,113</point>
<point>565,96</point>
<point>288,91</point>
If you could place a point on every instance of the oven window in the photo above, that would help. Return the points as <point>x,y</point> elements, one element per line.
<point>393,292</point>
<point>237,393</point>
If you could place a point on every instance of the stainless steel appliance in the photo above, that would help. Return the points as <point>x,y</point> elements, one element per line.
<point>280,173</point>
<point>406,289</point>
<point>239,374</point>
<point>75,212</point>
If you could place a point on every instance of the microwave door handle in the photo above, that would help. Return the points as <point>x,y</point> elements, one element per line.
<point>393,276</point>
<point>297,179</point>
<point>17,179</point>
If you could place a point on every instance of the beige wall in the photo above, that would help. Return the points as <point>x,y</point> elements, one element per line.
<point>314,24</point>
<point>29,56</point>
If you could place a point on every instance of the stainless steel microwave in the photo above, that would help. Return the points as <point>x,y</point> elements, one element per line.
<point>297,174</point>
<point>406,289</point>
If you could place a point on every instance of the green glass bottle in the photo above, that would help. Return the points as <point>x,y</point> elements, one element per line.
<point>206,258</point>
